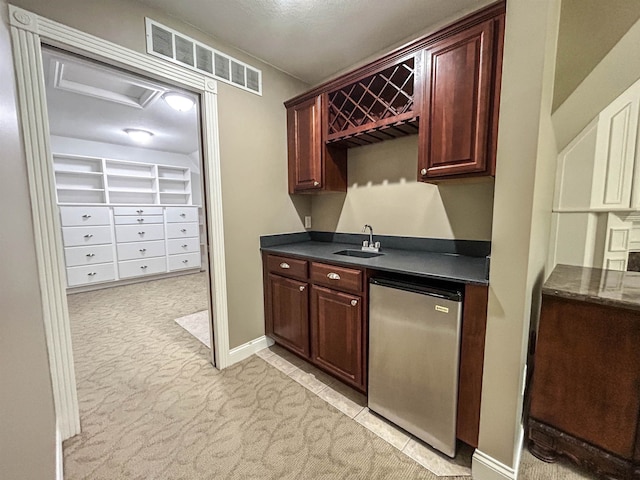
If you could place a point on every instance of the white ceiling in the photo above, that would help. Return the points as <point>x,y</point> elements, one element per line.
<point>314,39</point>
<point>95,102</point>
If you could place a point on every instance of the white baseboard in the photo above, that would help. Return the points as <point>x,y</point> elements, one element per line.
<point>247,349</point>
<point>485,467</point>
<point>59,457</point>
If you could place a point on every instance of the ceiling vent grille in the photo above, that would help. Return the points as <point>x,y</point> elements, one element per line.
<point>177,48</point>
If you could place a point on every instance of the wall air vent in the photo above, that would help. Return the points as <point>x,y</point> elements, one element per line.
<point>175,47</point>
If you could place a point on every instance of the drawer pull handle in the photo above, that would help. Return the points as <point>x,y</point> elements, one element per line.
<point>143,250</point>
<point>423,171</point>
<point>301,287</point>
<point>354,303</point>
<point>140,233</point>
<point>143,267</point>
<point>91,274</point>
<point>140,219</point>
<point>88,235</point>
<point>185,245</point>
<point>183,230</point>
<point>91,255</point>
<point>183,215</point>
<point>139,211</point>
<point>86,216</point>
<point>285,265</point>
<point>315,184</point>
<point>185,261</point>
<point>333,276</point>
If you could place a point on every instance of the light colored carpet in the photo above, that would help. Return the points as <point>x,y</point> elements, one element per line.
<point>197,324</point>
<point>153,407</point>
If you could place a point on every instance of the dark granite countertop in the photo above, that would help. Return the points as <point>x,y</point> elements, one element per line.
<point>442,264</point>
<point>606,287</point>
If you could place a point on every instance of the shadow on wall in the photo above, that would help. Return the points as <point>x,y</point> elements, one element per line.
<point>383,191</point>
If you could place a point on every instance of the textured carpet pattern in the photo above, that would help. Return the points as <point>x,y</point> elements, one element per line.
<point>153,407</point>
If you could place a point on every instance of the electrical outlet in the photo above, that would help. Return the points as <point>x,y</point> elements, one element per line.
<point>307,221</point>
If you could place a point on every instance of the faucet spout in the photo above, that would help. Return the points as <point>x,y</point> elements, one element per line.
<point>370,245</point>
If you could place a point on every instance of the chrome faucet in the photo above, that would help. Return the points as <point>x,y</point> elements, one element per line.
<point>369,245</point>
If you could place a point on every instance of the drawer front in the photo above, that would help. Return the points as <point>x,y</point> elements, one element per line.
<point>78,236</point>
<point>139,233</point>
<point>76,256</point>
<point>340,278</point>
<point>182,230</point>
<point>146,266</point>
<point>181,214</point>
<point>183,245</point>
<point>88,274</point>
<point>137,210</point>
<point>137,220</point>
<point>288,267</point>
<point>138,250</point>
<point>77,216</point>
<point>185,260</point>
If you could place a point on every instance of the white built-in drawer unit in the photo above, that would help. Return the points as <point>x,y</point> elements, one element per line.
<point>137,219</point>
<point>183,245</point>
<point>80,216</point>
<point>87,274</point>
<point>90,235</point>
<point>145,266</point>
<point>182,230</point>
<point>89,255</point>
<point>139,233</point>
<point>185,260</point>
<point>181,214</point>
<point>138,250</point>
<point>140,210</point>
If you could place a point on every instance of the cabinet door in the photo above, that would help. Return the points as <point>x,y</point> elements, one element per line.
<point>304,132</point>
<point>337,334</point>
<point>288,315</point>
<point>456,114</point>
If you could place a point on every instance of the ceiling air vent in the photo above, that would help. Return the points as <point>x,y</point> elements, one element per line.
<point>175,47</point>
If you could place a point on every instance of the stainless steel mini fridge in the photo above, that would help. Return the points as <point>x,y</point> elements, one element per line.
<point>414,344</point>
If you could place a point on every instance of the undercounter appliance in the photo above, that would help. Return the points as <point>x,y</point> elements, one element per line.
<point>414,344</point>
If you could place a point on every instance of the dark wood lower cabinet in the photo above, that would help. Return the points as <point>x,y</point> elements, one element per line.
<point>289,318</point>
<point>585,396</point>
<point>337,324</point>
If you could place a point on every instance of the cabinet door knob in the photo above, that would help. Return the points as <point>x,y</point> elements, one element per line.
<point>423,171</point>
<point>140,233</point>
<point>91,255</point>
<point>139,211</point>
<point>91,274</point>
<point>333,276</point>
<point>141,219</point>
<point>301,287</point>
<point>354,303</point>
<point>86,216</point>
<point>285,265</point>
<point>143,250</point>
<point>315,184</point>
<point>88,235</point>
<point>183,230</point>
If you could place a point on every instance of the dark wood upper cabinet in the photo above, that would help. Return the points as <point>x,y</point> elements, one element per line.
<point>445,87</point>
<point>313,166</point>
<point>456,113</point>
<point>288,320</point>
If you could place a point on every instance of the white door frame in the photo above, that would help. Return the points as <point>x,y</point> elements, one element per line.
<point>28,32</point>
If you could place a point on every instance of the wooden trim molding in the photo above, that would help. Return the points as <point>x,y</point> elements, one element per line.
<point>28,32</point>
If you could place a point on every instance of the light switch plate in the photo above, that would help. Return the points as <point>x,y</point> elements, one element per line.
<point>307,221</point>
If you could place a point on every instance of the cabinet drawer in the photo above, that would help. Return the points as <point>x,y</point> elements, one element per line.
<point>185,260</point>
<point>288,267</point>
<point>145,266</point>
<point>76,216</point>
<point>139,233</point>
<point>183,245</point>
<point>137,210</point>
<point>340,278</point>
<point>137,250</point>
<point>87,274</point>
<point>182,230</point>
<point>137,219</point>
<point>181,214</point>
<point>77,236</point>
<point>76,256</point>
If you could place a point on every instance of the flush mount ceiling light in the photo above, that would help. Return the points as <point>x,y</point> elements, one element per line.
<point>138,136</point>
<point>179,102</point>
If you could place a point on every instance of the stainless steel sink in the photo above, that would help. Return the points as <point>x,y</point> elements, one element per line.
<point>358,253</point>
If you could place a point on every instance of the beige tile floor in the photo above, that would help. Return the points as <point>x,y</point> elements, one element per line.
<point>353,404</point>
